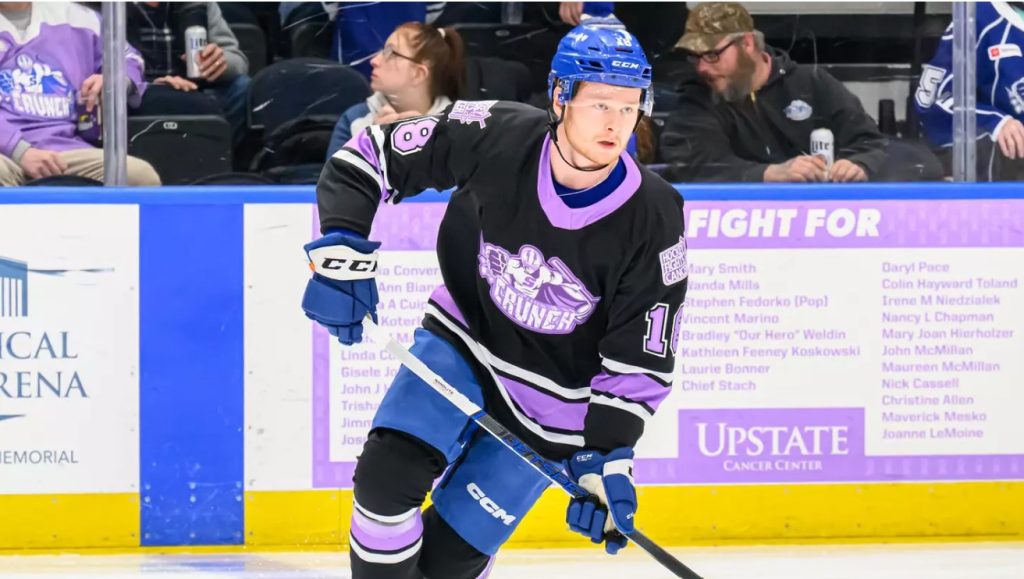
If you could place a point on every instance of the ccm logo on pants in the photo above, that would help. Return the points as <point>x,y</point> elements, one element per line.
<point>489,505</point>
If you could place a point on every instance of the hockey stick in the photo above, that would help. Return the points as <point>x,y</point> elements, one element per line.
<point>468,407</point>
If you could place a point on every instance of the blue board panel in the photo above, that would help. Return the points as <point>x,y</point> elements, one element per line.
<point>228,195</point>
<point>192,374</point>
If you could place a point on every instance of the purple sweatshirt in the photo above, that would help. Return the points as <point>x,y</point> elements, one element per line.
<point>41,72</point>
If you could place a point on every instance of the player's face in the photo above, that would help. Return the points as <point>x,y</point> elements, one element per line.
<point>393,71</point>
<point>600,119</point>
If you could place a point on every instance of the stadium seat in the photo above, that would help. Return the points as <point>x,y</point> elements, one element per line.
<point>658,120</point>
<point>253,44</point>
<point>290,89</point>
<point>296,104</point>
<point>182,148</point>
<point>263,15</point>
<point>489,78</point>
<point>530,44</point>
<point>299,142</point>
<point>237,13</point>
<point>308,32</point>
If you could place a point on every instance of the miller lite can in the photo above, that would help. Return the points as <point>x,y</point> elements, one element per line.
<point>823,144</point>
<point>195,41</point>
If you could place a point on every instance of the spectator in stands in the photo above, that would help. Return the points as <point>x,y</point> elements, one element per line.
<point>420,71</point>
<point>157,30</point>
<point>50,86</point>
<point>1000,94</point>
<point>572,13</point>
<point>748,114</point>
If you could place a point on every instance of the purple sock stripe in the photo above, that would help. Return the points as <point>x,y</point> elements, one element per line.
<point>546,410</point>
<point>443,298</point>
<point>380,537</point>
<point>633,387</point>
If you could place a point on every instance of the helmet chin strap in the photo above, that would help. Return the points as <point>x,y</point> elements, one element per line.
<point>553,127</point>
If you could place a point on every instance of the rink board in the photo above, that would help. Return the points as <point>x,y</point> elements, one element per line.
<point>160,386</point>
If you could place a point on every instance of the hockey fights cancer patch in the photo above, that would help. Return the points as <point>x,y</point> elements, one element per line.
<point>536,293</point>
<point>674,267</point>
<point>469,112</point>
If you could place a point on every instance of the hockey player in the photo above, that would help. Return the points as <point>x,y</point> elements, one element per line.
<point>564,265</point>
<point>1000,93</point>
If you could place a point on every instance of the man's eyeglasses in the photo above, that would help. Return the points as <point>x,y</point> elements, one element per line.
<point>389,52</point>
<point>711,56</point>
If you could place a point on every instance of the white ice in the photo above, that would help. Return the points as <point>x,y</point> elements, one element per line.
<point>924,561</point>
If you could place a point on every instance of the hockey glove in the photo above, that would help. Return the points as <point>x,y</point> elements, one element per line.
<point>343,288</point>
<point>610,477</point>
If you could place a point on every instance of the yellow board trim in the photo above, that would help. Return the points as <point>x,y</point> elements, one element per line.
<point>700,515</point>
<point>297,517</point>
<point>671,515</point>
<point>69,521</point>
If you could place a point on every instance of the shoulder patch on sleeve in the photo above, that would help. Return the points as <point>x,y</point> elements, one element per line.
<point>412,135</point>
<point>674,267</point>
<point>469,112</point>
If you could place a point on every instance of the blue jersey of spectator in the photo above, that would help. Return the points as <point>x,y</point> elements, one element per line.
<point>1000,76</point>
<point>360,29</point>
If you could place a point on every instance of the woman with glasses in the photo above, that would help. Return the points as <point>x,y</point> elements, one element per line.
<point>419,71</point>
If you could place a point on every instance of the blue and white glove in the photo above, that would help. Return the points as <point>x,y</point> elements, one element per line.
<point>343,288</point>
<point>610,477</point>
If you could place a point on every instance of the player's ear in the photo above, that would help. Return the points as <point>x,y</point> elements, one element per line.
<point>555,106</point>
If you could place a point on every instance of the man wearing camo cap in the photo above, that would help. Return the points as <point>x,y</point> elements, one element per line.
<point>748,113</point>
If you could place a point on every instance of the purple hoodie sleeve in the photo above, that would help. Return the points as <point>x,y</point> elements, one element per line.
<point>134,68</point>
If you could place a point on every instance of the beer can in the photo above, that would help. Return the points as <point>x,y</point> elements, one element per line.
<point>823,144</point>
<point>195,41</point>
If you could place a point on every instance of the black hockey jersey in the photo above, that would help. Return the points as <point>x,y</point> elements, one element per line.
<point>569,316</point>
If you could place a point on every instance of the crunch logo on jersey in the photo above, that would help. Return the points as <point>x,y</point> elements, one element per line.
<point>536,293</point>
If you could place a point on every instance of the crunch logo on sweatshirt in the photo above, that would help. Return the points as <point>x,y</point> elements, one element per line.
<point>35,89</point>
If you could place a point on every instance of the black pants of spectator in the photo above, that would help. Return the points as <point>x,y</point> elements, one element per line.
<point>991,165</point>
<point>909,161</point>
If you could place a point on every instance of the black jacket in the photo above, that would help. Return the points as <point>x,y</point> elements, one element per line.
<point>735,142</point>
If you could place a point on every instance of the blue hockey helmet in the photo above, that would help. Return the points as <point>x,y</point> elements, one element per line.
<point>601,50</point>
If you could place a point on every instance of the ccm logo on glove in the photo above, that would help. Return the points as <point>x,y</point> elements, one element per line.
<point>343,263</point>
<point>489,505</point>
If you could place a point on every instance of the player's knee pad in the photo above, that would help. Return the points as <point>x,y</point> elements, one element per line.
<point>447,555</point>
<point>392,478</point>
<point>485,495</point>
<point>394,473</point>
